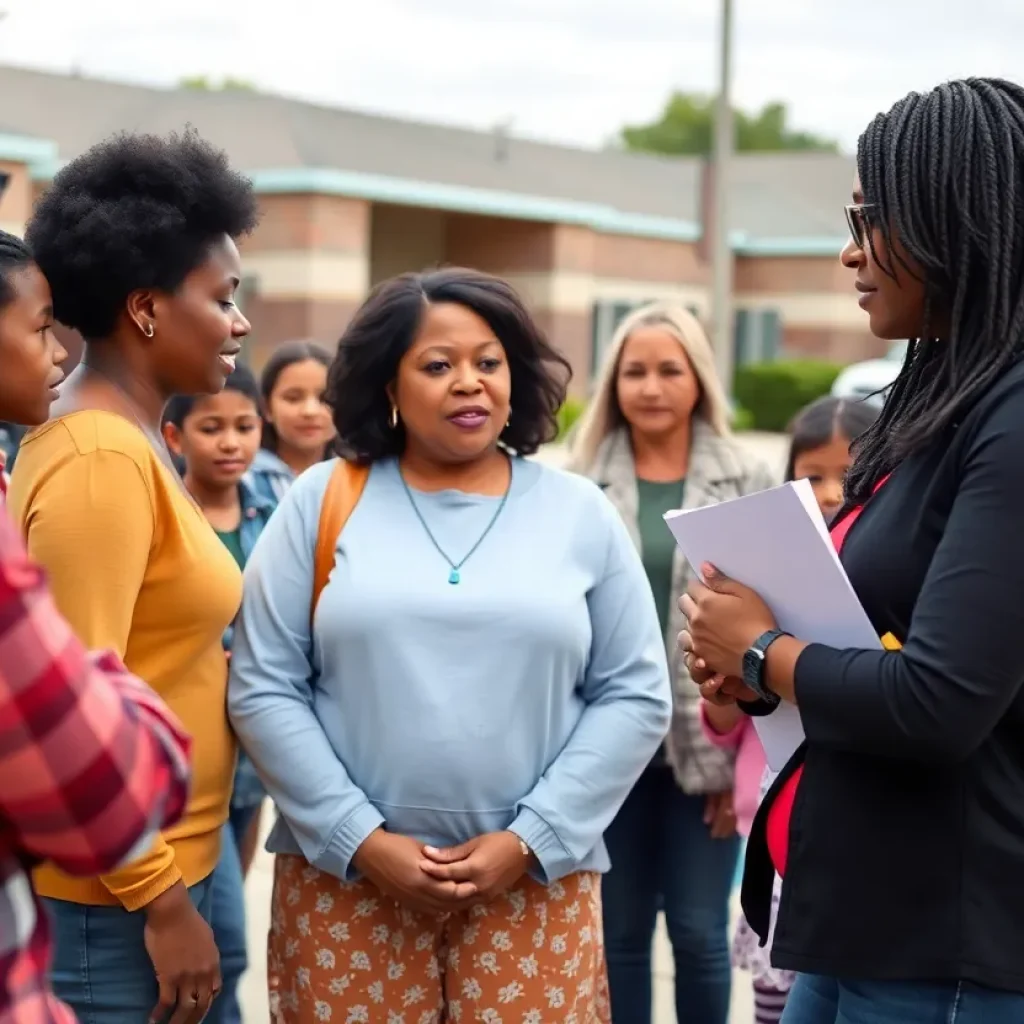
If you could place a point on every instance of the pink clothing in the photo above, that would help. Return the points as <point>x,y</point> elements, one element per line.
<point>750,766</point>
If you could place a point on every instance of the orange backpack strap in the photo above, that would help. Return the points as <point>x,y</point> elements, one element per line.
<point>343,492</point>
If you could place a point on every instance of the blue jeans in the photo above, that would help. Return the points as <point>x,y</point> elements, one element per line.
<point>228,922</point>
<point>663,858</point>
<point>100,965</point>
<point>229,917</point>
<point>240,818</point>
<point>816,999</point>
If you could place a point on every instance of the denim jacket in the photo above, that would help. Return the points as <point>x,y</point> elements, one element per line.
<point>256,511</point>
<point>268,476</point>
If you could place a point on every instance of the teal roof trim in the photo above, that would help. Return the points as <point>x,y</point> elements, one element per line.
<point>821,246</point>
<point>25,149</point>
<point>46,170</point>
<point>463,199</point>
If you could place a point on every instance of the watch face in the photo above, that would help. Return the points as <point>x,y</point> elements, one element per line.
<point>752,663</point>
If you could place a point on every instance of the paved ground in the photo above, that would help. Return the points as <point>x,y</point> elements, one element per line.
<point>771,449</point>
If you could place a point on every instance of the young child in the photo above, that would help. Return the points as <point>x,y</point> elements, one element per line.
<point>216,438</point>
<point>819,450</point>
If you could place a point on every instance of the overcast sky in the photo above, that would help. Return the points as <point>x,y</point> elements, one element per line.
<point>563,70</point>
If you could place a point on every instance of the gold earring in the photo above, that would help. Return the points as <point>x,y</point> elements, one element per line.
<point>394,417</point>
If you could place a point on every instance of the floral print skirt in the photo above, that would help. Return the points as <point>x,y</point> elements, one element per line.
<point>346,953</point>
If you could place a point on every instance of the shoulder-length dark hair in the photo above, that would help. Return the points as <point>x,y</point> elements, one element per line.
<point>288,354</point>
<point>386,325</point>
<point>818,423</point>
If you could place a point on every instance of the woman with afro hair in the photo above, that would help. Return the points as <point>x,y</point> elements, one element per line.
<point>138,240</point>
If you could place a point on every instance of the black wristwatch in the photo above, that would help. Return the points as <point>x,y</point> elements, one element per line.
<point>754,662</point>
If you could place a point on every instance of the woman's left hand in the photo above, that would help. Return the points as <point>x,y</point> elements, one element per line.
<point>720,815</point>
<point>724,618</point>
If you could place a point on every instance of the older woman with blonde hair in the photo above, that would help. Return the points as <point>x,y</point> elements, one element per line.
<point>655,437</point>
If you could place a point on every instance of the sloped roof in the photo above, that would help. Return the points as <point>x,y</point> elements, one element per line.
<point>774,196</point>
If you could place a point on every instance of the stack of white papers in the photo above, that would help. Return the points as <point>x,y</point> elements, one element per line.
<point>776,542</point>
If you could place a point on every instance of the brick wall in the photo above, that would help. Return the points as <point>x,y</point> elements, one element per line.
<point>308,262</point>
<point>791,274</point>
<point>838,345</point>
<point>17,200</point>
<point>817,302</point>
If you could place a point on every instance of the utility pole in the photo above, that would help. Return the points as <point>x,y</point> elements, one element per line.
<point>721,251</point>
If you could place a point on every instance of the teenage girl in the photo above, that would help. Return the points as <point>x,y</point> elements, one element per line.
<point>298,429</point>
<point>819,451</point>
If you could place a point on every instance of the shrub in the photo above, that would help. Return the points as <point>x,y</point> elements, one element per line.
<point>773,393</point>
<point>742,419</point>
<point>571,410</point>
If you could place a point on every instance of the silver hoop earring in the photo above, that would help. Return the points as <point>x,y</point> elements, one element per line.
<point>393,419</point>
<point>149,330</point>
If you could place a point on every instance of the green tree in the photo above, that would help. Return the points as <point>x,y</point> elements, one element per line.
<point>203,83</point>
<point>685,127</point>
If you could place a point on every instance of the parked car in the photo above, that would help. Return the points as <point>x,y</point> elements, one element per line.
<point>870,380</point>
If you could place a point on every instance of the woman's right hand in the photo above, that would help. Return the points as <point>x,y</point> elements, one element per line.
<point>392,863</point>
<point>185,959</point>
<point>721,691</point>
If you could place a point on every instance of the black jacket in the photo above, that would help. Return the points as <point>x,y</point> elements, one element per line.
<point>907,837</point>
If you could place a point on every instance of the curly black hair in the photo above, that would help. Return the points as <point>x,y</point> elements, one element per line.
<point>135,211</point>
<point>942,169</point>
<point>383,330</point>
<point>15,255</point>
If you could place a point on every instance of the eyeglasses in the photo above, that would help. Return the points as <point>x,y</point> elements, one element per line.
<point>861,217</point>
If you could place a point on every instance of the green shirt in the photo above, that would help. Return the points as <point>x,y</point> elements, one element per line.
<point>657,545</point>
<point>232,540</point>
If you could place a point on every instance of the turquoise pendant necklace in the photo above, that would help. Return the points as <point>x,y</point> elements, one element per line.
<point>455,574</point>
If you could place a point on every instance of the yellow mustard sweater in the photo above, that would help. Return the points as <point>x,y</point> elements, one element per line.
<point>135,568</point>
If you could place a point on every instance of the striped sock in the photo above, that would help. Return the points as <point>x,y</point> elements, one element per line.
<point>768,1003</point>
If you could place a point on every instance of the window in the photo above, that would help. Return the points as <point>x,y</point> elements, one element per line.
<point>758,336</point>
<point>247,290</point>
<point>605,319</point>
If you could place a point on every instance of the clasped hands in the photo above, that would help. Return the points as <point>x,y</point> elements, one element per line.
<point>438,881</point>
<point>723,619</point>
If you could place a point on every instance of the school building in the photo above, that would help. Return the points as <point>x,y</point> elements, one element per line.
<point>350,199</point>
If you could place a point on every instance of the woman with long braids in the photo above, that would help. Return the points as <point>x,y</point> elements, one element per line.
<point>898,823</point>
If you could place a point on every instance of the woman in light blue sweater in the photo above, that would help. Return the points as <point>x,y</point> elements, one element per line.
<point>483,683</point>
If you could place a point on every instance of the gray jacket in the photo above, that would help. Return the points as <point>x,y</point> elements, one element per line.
<point>719,470</point>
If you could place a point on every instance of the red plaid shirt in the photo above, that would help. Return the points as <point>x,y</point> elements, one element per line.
<point>92,766</point>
